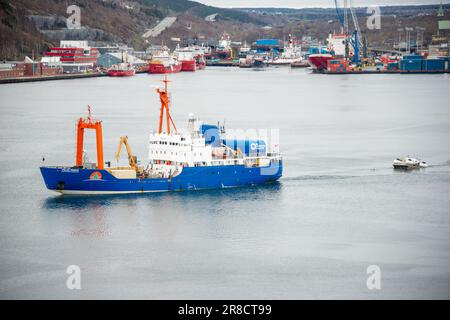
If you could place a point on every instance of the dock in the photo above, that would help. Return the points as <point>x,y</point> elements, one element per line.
<point>55,77</point>
<point>382,72</point>
<point>66,76</point>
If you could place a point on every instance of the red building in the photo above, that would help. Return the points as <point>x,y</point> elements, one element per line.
<point>75,56</point>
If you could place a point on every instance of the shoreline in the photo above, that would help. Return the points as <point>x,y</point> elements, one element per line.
<point>67,76</point>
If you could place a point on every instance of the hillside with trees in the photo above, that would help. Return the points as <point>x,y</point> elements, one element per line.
<point>29,27</point>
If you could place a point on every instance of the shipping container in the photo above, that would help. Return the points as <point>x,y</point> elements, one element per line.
<point>317,50</point>
<point>392,66</point>
<point>267,42</point>
<point>433,65</point>
<point>411,65</point>
<point>338,65</point>
<point>446,62</point>
<point>412,57</point>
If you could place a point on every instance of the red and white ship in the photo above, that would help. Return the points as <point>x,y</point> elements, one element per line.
<point>164,63</point>
<point>192,58</point>
<point>319,61</point>
<point>336,49</point>
<point>291,54</point>
<point>224,49</point>
<point>186,57</point>
<point>122,70</point>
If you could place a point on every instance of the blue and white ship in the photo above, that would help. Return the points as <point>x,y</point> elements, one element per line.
<point>200,158</point>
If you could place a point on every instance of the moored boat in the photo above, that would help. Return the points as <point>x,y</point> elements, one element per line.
<point>291,54</point>
<point>121,70</point>
<point>319,61</point>
<point>164,63</point>
<point>258,63</point>
<point>186,57</point>
<point>300,64</point>
<point>335,49</point>
<point>224,50</point>
<point>191,58</point>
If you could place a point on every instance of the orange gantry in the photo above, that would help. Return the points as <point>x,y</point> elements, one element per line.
<point>164,97</point>
<point>89,123</point>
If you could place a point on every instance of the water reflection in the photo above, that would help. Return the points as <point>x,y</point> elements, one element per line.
<point>95,225</point>
<point>79,203</point>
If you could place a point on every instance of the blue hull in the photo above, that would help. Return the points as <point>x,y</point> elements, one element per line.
<point>90,181</point>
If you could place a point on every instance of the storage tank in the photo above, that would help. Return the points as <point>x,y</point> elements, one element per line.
<point>248,147</point>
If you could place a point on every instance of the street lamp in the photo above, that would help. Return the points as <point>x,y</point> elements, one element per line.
<point>408,36</point>
<point>420,31</point>
<point>400,30</point>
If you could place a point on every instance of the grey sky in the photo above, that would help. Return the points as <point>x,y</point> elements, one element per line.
<point>308,3</point>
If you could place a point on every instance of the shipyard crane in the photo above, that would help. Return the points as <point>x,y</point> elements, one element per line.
<point>131,158</point>
<point>343,18</point>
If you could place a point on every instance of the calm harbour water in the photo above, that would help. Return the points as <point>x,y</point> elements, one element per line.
<point>338,208</point>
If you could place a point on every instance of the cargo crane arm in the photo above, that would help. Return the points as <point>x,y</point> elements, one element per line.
<point>131,157</point>
<point>340,17</point>
<point>355,22</point>
<point>234,153</point>
<point>354,41</point>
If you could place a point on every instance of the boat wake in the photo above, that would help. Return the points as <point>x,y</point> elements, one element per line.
<point>443,164</point>
<point>318,177</point>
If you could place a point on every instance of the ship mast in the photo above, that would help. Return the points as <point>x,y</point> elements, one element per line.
<point>164,97</point>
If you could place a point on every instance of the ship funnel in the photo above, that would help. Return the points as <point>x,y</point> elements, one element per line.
<point>192,123</point>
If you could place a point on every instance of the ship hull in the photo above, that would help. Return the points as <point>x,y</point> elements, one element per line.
<point>66,180</point>
<point>160,68</point>
<point>319,61</point>
<point>188,65</point>
<point>121,73</point>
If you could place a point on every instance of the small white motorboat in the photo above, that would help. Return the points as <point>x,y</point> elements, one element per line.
<point>408,163</point>
<point>423,164</point>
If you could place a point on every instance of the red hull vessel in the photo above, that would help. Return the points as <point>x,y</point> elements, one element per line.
<point>122,69</point>
<point>188,65</point>
<point>319,61</point>
<point>161,68</point>
<point>121,73</point>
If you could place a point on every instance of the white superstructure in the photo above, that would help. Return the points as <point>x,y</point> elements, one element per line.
<point>200,145</point>
<point>336,44</point>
